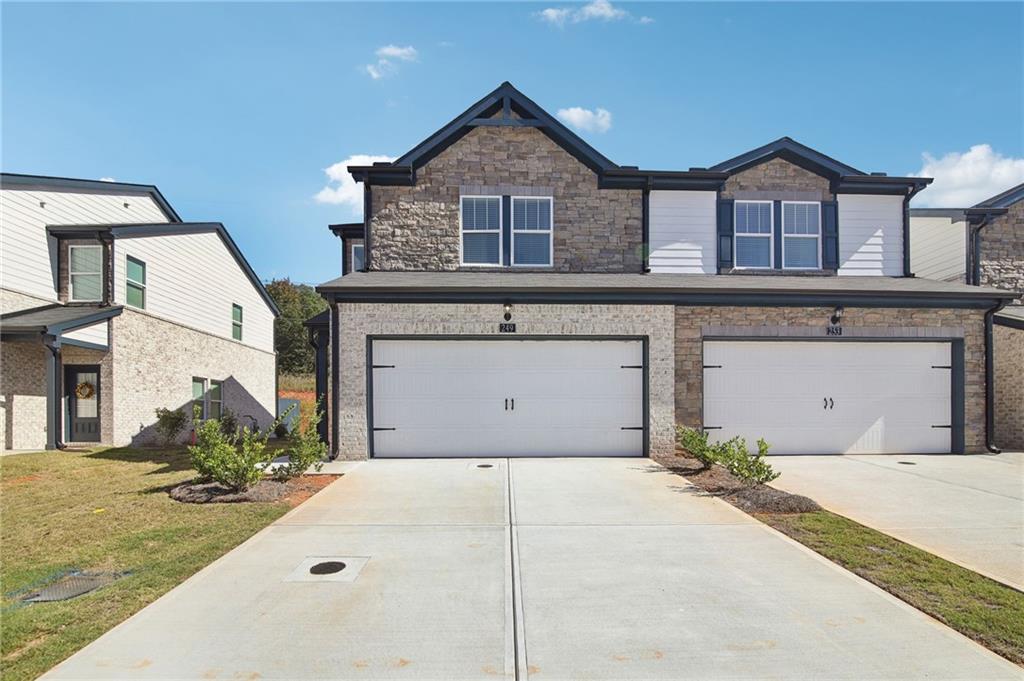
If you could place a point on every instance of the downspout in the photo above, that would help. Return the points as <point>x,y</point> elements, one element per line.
<point>906,228</point>
<point>990,412</point>
<point>646,228</point>
<point>976,250</point>
<point>54,402</point>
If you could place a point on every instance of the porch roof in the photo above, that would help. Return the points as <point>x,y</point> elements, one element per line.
<point>55,319</point>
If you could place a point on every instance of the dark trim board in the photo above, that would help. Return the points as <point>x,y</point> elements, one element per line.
<point>1008,321</point>
<point>370,338</point>
<point>957,438</point>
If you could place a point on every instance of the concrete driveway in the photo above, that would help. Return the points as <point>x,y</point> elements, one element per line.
<point>541,569</point>
<point>967,509</point>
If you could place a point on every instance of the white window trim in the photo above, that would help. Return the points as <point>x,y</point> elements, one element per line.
<point>770,235</point>
<point>71,272</point>
<point>129,280</point>
<point>208,393</point>
<point>206,383</point>
<point>240,323</point>
<point>817,236</point>
<point>550,231</point>
<point>462,232</point>
<point>352,253</point>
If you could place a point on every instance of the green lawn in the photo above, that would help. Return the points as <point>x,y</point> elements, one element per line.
<point>988,612</point>
<point>104,510</point>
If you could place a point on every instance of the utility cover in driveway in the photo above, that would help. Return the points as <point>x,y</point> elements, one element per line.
<point>472,398</point>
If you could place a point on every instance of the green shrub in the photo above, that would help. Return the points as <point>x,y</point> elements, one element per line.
<point>211,450</point>
<point>695,441</point>
<point>305,448</point>
<point>169,424</point>
<point>236,461</point>
<point>228,422</point>
<point>733,455</point>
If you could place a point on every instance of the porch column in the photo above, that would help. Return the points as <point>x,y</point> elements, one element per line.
<point>53,392</point>
<point>319,339</point>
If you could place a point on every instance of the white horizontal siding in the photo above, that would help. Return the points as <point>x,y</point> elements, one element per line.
<point>95,334</point>
<point>192,279</point>
<point>938,248</point>
<point>870,235</point>
<point>28,258</point>
<point>683,232</point>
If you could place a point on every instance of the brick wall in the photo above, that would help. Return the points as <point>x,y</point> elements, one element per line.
<point>417,228</point>
<point>359,320</point>
<point>70,354</point>
<point>153,365</point>
<point>64,264</point>
<point>777,179</point>
<point>1002,251</point>
<point>12,301</point>
<point>348,244</point>
<point>22,395</point>
<point>1008,352</point>
<point>690,322</point>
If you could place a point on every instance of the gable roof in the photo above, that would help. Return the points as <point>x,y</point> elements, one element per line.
<point>49,183</point>
<point>163,229</point>
<point>1004,199</point>
<point>790,150</point>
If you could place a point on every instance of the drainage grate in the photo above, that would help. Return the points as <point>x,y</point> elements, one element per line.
<point>71,586</point>
<point>327,568</point>
<point>485,465</point>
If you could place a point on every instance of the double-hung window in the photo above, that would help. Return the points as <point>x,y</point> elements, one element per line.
<point>481,230</point>
<point>215,400</point>
<point>208,396</point>
<point>199,396</point>
<point>801,235</point>
<point>754,240</point>
<point>135,282</point>
<point>357,258</point>
<point>236,322</point>
<point>85,270</point>
<point>531,231</point>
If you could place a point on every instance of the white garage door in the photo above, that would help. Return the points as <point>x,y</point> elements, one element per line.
<point>830,397</point>
<point>450,398</point>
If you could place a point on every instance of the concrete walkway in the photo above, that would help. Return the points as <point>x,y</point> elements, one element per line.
<point>541,569</point>
<point>967,509</point>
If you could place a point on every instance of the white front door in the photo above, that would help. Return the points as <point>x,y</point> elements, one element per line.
<point>471,398</point>
<point>844,397</point>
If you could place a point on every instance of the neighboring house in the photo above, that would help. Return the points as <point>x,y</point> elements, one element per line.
<point>984,245</point>
<point>113,307</point>
<point>523,295</point>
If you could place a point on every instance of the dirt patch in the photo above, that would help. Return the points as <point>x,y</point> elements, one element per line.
<point>294,491</point>
<point>300,395</point>
<point>718,482</point>
<point>22,480</point>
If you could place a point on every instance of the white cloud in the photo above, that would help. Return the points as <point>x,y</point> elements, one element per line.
<point>107,179</point>
<point>964,179</point>
<point>586,120</point>
<point>386,57</point>
<point>597,10</point>
<point>341,189</point>
<point>407,53</point>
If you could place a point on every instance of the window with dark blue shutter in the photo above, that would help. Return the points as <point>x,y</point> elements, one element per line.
<point>830,235</point>
<point>725,233</point>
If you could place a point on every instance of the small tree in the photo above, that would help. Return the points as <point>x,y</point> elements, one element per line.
<point>305,448</point>
<point>235,461</point>
<point>212,447</point>
<point>169,424</point>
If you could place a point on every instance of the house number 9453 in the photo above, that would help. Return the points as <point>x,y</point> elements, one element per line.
<point>833,331</point>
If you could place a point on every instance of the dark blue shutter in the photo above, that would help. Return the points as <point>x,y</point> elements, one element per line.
<point>725,231</point>
<point>829,235</point>
<point>777,228</point>
<point>506,230</point>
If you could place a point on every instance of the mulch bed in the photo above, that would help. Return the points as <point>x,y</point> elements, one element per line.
<point>294,491</point>
<point>748,497</point>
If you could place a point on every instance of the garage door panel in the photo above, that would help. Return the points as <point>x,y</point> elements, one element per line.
<point>830,397</point>
<point>455,398</point>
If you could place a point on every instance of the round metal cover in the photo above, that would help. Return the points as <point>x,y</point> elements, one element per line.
<point>327,567</point>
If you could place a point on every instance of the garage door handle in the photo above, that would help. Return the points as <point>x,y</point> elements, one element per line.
<point>831,404</point>
<point>513,404</point>
<point>506,404</point>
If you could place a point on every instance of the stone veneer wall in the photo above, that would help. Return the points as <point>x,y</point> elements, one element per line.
<point>1002,251</point>
<point>417,228</point>
<point>1008,352</point>
<point>777,179</point>
<point>153,365</point>
<point>360,320</point>
<point>22,395</point>
<point>921,322</point>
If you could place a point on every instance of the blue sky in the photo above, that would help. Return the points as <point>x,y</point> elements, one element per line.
<point>236,110</point>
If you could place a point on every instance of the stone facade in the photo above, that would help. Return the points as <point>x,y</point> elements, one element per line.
<point>360,320</point>
<point>1002,251</point>
<point>23,395</point>
<point>146,377</point>
<point>417,227</point>
<point>1008,354</point>
<point>691,323</point>
<point>777,179</point>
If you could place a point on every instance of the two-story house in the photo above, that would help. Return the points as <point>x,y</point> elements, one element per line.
<point>113,307</point>
<point>522,295</point>
<point>984,246</point>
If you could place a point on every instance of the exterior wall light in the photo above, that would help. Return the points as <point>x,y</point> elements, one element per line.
<point>837,315</point>
<point>508,311</point>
